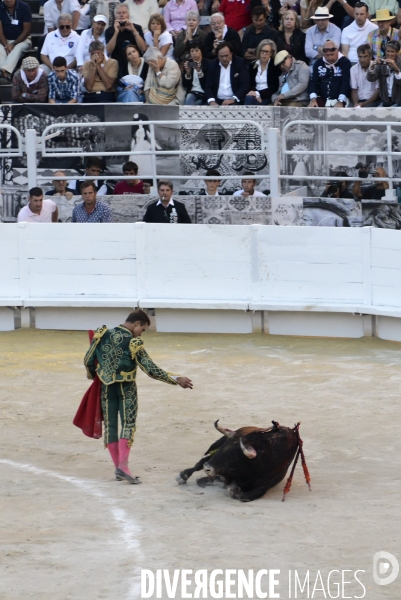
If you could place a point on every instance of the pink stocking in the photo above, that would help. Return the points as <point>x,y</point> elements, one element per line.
<point>113,449</point>
<point>123,456</point>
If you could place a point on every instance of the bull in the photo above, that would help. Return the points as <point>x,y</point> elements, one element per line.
<point>250,460</point>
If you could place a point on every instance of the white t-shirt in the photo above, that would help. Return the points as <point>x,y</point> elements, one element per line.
<point>255,193</point>
<point>25,215</point>
<point>354,36</point>
<point>55,45</point>
<point>164,38</point>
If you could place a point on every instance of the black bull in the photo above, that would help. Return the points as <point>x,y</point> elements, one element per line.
<point>251,460</point>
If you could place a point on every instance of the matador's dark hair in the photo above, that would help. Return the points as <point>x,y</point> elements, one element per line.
<point>138,315</point>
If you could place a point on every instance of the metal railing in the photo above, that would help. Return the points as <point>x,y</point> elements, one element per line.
<point>10,151</point>
<point>52,131</point>
<point>389,154</point>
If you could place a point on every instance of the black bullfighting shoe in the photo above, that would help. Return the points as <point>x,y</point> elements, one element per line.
<point>121,475</point>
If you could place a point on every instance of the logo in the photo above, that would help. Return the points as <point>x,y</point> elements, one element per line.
<point>70,44</point>
<point>382,561</point>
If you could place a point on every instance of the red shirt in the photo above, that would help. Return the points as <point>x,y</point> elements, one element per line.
<point>124,188</point>
<point>237,14</point>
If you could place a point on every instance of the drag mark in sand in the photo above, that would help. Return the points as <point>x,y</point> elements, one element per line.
<point>129,529</point>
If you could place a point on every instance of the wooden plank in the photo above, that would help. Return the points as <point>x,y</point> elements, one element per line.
<point>92,285</point>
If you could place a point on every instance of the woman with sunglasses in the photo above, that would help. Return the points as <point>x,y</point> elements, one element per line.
<point>264,76</point>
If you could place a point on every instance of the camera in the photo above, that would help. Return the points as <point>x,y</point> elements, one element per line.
<point>333,189</point>
<point>363,170</point>
<point>193,64</point>
<point>122,23</point>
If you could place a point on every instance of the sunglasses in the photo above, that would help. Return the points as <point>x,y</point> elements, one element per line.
<point>64,27</point>
<point>329,50</point>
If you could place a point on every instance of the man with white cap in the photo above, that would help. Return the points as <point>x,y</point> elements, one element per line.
<point>379,38</point>
<point>319,33</point>
<point>294,81</point>
<point>91,35</point>
<point>357,33</point>
<point>29,83</point>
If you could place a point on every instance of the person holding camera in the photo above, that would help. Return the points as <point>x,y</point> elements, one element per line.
<point>337,189</point>
<point>194,75</point>
<point>370,192</point>
<point>122,33</point>
<point>387,71</point>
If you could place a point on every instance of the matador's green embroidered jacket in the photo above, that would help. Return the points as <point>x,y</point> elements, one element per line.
<point>118,353</point>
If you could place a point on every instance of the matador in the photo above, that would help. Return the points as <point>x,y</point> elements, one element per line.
<point>114,355</point>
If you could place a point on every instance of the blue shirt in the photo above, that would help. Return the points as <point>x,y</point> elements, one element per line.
<point>100,214</point>
<point>22,14</point>
<point>64,90</point>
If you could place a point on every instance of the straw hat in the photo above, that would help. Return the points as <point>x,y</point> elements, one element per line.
<point>383,14</point>
<point>322,13</point>
<point>280,57</point>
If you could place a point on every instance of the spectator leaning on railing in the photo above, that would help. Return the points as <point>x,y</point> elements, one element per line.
<point>38,210</point>
<point>91,210</point>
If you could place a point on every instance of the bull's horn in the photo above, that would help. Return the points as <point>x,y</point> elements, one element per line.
<point>247,450</point>
<point>227,432</point>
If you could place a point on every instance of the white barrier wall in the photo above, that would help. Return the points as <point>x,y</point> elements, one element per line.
<point>287,280</point>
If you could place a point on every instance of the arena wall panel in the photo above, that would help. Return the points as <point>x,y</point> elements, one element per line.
<point>200,278</point>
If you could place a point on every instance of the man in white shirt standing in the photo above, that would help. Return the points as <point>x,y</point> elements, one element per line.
<point>356,34</point>
<point>62,42</point>
<point>52,9</point>
<point>91,35</point>
<point>140,11</point>
<point>248,187</point>
<point>38,210</point>
<point>364,93</point>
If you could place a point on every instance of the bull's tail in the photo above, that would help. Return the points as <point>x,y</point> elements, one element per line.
<point>300,452</point>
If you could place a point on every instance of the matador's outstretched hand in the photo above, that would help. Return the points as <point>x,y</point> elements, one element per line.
<point>184,382</point>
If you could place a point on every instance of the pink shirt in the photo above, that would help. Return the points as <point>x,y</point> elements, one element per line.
<point>174,14</point>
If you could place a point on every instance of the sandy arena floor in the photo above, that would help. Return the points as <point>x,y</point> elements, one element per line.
<point>69,530</point>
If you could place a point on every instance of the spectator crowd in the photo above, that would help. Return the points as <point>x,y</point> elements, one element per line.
<point>87,208</point>
<point>252,52</point>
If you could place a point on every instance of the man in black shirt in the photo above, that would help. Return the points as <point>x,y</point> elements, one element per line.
<point>220,33</point>
<point>166,210</point>
<point>256,33</point>
<point>122,33</point>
